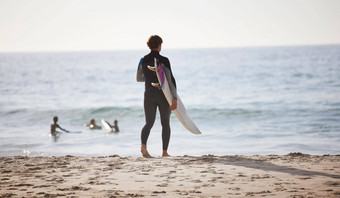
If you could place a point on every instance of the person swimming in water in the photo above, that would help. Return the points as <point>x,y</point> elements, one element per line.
<point>92,124</point>
<point>54,126</point>
<point>115,126</point>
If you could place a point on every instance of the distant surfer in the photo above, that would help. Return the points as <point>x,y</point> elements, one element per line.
<point>92,124</point>
<point>54,126</point>
<point>109,127</point>
<point>154,97</point>
<point>115,126</point>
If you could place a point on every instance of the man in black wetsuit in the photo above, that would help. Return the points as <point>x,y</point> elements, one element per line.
<point>154,97</point>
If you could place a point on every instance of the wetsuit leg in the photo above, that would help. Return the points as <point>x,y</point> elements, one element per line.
<point>150,115</point>
<point>165,112</point>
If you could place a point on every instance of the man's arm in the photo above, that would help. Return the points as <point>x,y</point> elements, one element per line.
<point>140,74</point>
<point>63,129</point>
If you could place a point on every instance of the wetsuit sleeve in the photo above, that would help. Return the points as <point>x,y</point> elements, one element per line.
<point>140,75</point>
<point>172,86</point>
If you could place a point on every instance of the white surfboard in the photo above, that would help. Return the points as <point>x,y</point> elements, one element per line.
<point>180,111</point>
<point>107,126</point>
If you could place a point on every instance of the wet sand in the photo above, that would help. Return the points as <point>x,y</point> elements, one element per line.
<point>292,175</point>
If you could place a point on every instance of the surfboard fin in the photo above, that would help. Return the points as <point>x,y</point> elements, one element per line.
<point>151,68</point>
<point>156,85</point>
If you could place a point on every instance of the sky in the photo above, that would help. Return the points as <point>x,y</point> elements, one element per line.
<point>81,25</point>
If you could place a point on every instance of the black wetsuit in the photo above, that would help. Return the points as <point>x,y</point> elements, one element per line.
<point>154,97</point>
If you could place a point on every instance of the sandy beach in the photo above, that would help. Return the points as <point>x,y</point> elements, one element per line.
<point>292,175</point>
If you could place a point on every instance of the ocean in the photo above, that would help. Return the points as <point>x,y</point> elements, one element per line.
<point>266,100</point>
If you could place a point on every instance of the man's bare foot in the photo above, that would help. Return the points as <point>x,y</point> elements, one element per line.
<point>165,154</point>
<point>145,152</point>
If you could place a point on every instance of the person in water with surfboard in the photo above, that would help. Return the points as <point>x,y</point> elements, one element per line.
<point>115,126</point>
<point>111,128</point>
<point>154,97</point>
<point>54,126</point>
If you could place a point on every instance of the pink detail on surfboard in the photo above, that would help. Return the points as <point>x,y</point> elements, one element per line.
<point>161,74</point>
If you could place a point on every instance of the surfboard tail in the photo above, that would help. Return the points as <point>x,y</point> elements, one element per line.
<point>156,85</point>
<point>185,119</point>
<point>152,68</point>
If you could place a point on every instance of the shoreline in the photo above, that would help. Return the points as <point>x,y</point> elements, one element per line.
<point>291,175</point>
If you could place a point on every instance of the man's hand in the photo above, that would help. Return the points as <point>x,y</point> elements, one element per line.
<point>174,104</point>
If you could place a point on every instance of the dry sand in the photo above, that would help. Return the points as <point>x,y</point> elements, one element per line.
<point>293,175</point>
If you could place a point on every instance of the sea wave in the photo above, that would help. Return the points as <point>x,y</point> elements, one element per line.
<point>197,113</point>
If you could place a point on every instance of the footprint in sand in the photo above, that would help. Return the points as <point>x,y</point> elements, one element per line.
<point>158,192</point>
<point>196,181</point>
<point>208,185</point>
<point>305,178</point>
<point>194,191</point>
<point>162,185</point>
<point>332,183</point>
<point>42,186</point>
<point>213,180</point>
<point>182,192</point>
<point>134,195</point>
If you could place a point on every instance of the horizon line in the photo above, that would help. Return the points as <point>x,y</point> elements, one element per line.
<point>165,49</point>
